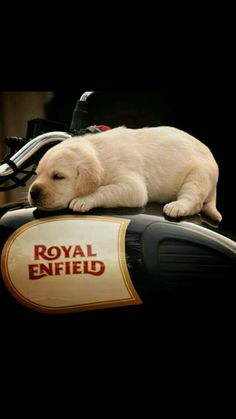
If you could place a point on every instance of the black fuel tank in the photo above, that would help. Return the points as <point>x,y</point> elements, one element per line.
<point>159,260</point>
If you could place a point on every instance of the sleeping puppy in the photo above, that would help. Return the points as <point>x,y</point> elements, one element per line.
<point>128,167</point>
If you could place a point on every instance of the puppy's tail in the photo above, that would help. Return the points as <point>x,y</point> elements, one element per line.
<point>209,208</point>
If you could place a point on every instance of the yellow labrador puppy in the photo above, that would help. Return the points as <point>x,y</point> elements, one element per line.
<point>128,167</point>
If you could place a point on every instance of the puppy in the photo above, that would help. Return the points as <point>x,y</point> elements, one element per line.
<point>128,167</point>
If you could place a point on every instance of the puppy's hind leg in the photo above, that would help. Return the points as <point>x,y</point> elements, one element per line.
<point>191,196</point>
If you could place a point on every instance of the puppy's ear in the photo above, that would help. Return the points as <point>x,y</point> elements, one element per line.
<point>89,178</point>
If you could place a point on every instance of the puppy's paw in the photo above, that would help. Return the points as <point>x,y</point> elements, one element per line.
<point>176,209</point>
<point>81,204</point>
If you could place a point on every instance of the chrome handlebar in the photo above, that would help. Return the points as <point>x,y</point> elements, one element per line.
<point>29,149</point>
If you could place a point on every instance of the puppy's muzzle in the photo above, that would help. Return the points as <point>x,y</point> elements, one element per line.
<point>36,194</point>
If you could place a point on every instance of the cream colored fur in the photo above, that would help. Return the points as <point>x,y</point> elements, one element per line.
<point>129,167</point>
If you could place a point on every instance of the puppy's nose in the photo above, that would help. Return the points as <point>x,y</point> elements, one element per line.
<point>35,192</point>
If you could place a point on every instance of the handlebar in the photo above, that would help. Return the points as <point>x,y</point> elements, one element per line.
<point>22,155</point>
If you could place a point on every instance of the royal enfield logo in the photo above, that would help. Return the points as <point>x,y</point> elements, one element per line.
<point>69,263</point>
<point>74,264</point>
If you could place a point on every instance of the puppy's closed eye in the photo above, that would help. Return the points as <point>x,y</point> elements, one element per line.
<point>57,176</point>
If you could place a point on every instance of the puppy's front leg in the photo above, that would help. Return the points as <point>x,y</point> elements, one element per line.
<point>123,194</point>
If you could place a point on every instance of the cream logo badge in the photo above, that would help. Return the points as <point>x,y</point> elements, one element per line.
<point>69,263</point>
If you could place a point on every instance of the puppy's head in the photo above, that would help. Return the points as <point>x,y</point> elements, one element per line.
<point>64,173</point>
